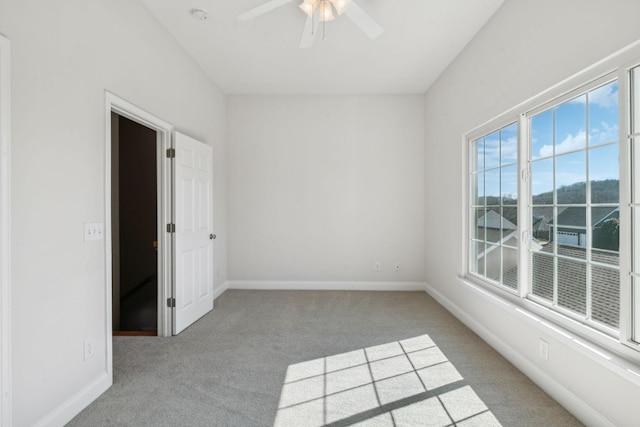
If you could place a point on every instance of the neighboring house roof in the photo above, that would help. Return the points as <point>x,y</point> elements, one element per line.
<point>496,221</point>
<point>535,219</point>
<point>577,216</point>
<point>571,278</point>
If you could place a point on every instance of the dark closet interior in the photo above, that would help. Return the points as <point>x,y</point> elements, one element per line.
<point>134,228</point>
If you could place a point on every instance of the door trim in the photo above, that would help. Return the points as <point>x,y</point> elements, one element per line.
<point>5,233</point>
<point>164,131</point>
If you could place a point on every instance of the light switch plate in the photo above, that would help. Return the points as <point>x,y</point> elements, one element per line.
<point>93,231</point>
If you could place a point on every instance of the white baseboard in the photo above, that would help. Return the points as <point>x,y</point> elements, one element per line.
<point>220,290</point>
<point>73,406</point>
<point>579,408</point>
<point>325,286</point>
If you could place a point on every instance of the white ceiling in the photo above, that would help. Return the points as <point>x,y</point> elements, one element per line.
<point>261,56</point>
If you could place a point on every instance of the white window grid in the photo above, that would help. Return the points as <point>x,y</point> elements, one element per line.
<point>501,244</point>
<point>617,66</point>
<point>633,139</point>
<point>559,261</point>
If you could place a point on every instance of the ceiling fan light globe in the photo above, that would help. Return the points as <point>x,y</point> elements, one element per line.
<point>326,11</point>
<point>308,8</point>
<point>340,5</point>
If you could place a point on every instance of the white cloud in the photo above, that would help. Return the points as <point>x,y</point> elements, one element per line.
<point>570,143</point>
<point>604,133</point>
<point>604,97</point>
<point>510,150</point>
<point>491,153</point>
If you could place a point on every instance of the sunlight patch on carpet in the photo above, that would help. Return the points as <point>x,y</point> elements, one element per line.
<point>403,383</point>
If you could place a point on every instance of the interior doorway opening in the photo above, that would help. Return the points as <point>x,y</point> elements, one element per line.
<point>134,225</point>
<point>183,221</point>
<point>118,108</point>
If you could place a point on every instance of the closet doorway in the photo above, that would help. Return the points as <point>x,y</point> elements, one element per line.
<point>134,225</point>
<point>159,239</point>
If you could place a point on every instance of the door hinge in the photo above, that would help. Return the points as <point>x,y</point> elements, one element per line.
<point>171,228</point>
<point>171,302</point>
<point>171,153</point>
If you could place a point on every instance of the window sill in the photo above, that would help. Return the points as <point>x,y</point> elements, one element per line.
<point>606,350</point>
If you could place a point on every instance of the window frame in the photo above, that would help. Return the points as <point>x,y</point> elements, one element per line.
<point>507,122</point>
<point>618,67</point>
<point>631,316</point>
<point>527,116</point>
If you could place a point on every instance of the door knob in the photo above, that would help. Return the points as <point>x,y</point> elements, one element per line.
<point>212,236</point>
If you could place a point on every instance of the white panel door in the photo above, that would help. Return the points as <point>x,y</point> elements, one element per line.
<point>193,180</point>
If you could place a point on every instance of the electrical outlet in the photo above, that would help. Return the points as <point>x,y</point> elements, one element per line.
<point>544,349</point>
<point>88,349</point>
<point>397,266</point>
<point>93,231</point>
<point>376,267</point>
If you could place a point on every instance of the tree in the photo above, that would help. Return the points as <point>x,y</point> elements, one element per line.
<point>607,236</point>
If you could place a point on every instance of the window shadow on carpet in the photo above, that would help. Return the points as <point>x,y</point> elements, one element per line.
<point>402,383</point>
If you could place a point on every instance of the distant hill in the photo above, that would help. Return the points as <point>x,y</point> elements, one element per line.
<point>604,191</point>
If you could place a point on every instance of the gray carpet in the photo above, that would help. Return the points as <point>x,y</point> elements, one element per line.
<point>229,368</point>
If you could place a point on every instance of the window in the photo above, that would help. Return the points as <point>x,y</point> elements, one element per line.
<point>574,206</point>
<point>554,202</point>
<point>634,141</point>
<point>494,206</point>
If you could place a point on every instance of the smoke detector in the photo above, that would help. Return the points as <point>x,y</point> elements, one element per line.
<point>199,14</point>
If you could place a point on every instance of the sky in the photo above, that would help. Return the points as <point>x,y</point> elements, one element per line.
<point>587,121</point>
<point>563,130</point>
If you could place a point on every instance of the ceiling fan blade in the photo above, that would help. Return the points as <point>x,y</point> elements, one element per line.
<point>309,32</point>
<point>363,20</point>
<point>262,9</point>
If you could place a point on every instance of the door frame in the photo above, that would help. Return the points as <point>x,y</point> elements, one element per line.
<point>164,132</point>
<point>5,233</point>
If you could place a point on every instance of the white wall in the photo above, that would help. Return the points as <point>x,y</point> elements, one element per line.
<point>525,48</point>
<point>322,187</point>
<point>64,55</point>
<point>5,175</point>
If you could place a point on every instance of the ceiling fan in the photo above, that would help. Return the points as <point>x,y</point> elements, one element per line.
<point>320,11</point>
